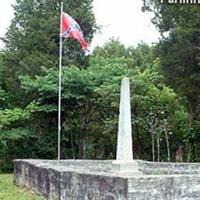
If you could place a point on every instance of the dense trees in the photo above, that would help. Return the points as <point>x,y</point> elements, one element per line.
<point>32,43</point>
<point>32,40</point>
<point>90,106</point>
<point>164,87</point>
<point>179,53</point>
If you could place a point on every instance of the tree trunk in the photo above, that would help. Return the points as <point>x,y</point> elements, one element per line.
<point>192,107</point>
<point>193,111</point>
<point>179,154</point>
<point>168,148</point>
<point>188,152</point>
<point>81,148</point>
<point>72,144</point>
<point>153,147</point>
<point>158,148</point>
<point>191,116</point>
<point>138,144</point>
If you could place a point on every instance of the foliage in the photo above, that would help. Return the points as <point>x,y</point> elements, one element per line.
<point>90,107</point>
<point>8,116</point>
<point>178,51</point>
<point>86,97</point>
<point>12,145</point>
<point>32,40</point>
<point>32,43</point>
<point>163,114</point>
<point>152,98</point>
<point>90,99</point>
<point>140,56</point>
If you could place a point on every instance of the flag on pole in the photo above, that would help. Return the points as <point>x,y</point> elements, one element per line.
<point>71,29</point>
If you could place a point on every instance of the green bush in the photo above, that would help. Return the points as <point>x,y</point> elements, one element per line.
<point>14,144</point>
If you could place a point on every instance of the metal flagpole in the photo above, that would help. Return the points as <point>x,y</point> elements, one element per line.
<point>60,79</point>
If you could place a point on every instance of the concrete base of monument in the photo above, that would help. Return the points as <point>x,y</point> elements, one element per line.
<point>126,167</point>
<point>96,179</point>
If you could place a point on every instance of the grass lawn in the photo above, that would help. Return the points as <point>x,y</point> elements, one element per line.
<point>10,192</point>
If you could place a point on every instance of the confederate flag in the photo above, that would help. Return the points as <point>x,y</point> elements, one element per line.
<point>71,29</point>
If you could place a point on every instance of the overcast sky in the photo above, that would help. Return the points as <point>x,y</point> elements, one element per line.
<point>121,19</point>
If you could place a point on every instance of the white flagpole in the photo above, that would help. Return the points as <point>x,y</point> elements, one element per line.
<point>60,79</point>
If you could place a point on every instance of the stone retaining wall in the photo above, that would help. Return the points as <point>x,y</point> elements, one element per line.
<point>93,180</point>
<point>57,184</point>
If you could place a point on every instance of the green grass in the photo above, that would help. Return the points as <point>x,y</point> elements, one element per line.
<point>10,192</point>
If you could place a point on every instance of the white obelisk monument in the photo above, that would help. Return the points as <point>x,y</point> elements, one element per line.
<point>124,162</point>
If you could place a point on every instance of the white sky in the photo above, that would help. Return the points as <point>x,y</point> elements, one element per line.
<point>121,19</point>
<point>6,14</point>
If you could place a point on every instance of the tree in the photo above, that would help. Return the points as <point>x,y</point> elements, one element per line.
<point>112,49</point>
<point>139,56</point>
<point>179,58</point>
<point>32,40</point>
<point>89,102</point>
<point>153,103</point>
<point>32,43</point>
<point>179,50</point>
<point>3,93</point>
